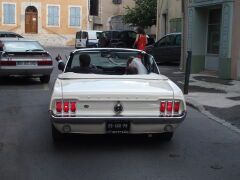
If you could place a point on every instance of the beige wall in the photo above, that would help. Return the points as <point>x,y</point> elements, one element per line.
<point>108,10</point>
<point>41,5</point>
<point>172,9</point>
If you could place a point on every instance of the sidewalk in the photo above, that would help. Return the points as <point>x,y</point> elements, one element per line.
<point>218,99</point>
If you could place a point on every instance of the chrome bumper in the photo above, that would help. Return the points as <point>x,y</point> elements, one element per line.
<point>135,120</point>
<point>96,125</point>
<point>26,71</point>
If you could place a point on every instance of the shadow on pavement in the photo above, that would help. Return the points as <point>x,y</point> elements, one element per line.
<point>19,81</point>
<point>83,142</point>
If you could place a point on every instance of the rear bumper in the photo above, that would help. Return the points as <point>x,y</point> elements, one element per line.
<point>26,71</point>
<point>97,125</point>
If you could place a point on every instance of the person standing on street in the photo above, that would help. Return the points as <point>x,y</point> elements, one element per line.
<point>141,39</point>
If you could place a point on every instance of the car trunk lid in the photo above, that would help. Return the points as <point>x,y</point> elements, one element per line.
<point>98,96</point>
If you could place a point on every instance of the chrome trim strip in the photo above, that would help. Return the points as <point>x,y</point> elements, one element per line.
<point>136,120</point>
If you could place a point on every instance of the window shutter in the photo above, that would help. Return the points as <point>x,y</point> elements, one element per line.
<point>75,16</point>
<point>53,15</point>
<point>57,16</point>
<point>12,13</point>
<point>9,13</point>
<point>50,16</point>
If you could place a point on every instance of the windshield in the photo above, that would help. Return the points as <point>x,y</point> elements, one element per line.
<point>111,62</point>
<point>22,46</point>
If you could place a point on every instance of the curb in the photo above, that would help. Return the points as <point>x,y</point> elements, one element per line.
<point>200,108</point>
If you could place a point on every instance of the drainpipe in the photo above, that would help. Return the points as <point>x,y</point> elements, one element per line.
<point>183,56</point>
<point>158,20</point>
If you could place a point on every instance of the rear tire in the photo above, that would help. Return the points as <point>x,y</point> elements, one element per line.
<point>167,136</point>
<point>45,79</point>
<point>56,135</point>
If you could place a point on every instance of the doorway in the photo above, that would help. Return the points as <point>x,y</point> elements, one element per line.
<point>213,39</point>
<point>31,20</point>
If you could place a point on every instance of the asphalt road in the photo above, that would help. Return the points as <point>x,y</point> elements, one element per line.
<point>201,148</point>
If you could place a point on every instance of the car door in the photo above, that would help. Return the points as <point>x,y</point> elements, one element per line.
<point>159,50</point>
<point>132,38</point>
<point>84,38</point>
<point>123,39</point>
<point>171,48</point>
<point>176,49</point>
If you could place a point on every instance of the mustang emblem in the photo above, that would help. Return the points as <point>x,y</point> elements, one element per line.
<point>118,108</point>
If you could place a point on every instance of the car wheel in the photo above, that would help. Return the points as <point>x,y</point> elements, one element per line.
<point>166,136</point>
<point>45,79</point>
<point>56,135</point>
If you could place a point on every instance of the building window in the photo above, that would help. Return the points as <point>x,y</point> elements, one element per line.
<point>175,25</point>
<point>9,13</point>
<point>117,1</point>
<point>74,17</point>
<point>53,15</point>
<point>94,7</point>
<point>214,26</point>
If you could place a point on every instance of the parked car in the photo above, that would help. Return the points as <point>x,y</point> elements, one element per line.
<point>5,34</point>
<point>167,49</point>
<point>120,39</point>
<point>24,57</point>
<point>87,39</point>
<point>110,99</point>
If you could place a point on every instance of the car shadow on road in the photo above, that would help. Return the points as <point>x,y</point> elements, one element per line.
<point>19,81</point>
<point>98,142</point>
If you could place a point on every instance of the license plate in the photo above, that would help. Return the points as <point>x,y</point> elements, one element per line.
<point>26,63</point>
<point>117,127</point>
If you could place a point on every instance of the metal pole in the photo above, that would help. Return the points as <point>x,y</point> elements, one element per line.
<point>187,72</point>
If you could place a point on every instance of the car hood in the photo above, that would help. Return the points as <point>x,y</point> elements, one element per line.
<point>105,87</point>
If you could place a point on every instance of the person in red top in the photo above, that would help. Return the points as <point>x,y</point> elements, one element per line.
<point>141,39</point>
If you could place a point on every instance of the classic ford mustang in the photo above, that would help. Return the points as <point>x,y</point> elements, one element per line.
<point>114,91</point>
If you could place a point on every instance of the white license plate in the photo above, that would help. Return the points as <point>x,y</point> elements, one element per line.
<point>26,63</point>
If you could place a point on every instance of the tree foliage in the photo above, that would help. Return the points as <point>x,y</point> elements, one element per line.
<point>144,13</point>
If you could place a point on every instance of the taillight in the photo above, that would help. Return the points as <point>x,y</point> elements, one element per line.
<point>45,63</point>
<point>8,63</point>
<point>176,106</point>
<point>66,106</point>
<point>162,106</point>
<point>59,106</point>
<point>73,106</point>
<point>170,107</point>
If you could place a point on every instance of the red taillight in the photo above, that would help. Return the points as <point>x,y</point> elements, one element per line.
<point>163,106</point>
<point>169,106</point>
<point>8,63</point>
<point>59,106</point>
<point>66,107</point>
<point>45,63</point>
<point>73,106</point>
<point>176,106</point>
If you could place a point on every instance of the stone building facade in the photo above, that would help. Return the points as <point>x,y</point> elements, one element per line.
<point>110,14</point>
<point>169,17</point>
<point>212,33</point>
<point>49,21</point>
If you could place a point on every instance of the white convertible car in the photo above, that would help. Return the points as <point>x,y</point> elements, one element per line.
<point>114,91</point>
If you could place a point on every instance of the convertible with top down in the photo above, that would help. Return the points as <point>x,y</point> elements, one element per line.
<point>114,91</point>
